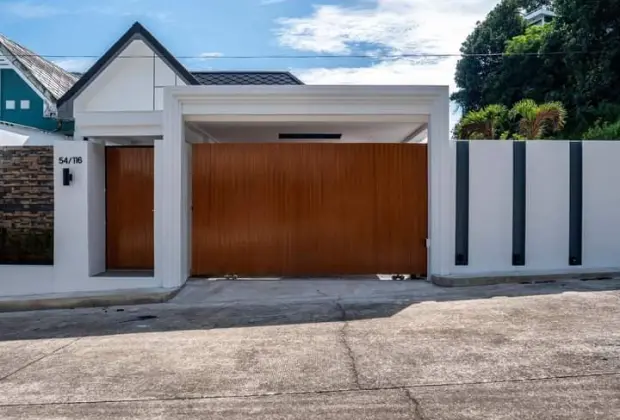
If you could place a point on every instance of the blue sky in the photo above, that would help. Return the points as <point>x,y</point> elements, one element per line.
<point>225,28</point>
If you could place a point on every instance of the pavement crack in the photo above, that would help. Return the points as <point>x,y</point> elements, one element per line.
<point>405,388</point>
<point>8,375</point>
<point>345,342</point>
<point>417,408</point>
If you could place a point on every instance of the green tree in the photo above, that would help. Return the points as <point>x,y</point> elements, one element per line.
<point>477,76</point>
<point>527,71</point>
<point>605,131</point>
<point>588,33</point>
<point>538,121</point>
<point>480,73</point>
<point>487,123</point>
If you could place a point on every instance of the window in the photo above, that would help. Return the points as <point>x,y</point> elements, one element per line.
<point>10,105</point>
<point>24,104</point>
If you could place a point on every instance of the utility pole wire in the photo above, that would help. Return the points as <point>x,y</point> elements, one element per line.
<point>362,56</point>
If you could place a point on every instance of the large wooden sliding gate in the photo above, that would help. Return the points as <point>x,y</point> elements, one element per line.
<point>309,209</point>
<point>129,208</point>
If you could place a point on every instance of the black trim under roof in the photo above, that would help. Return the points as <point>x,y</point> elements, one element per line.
<point>309,136</point>
<point>137,31</point>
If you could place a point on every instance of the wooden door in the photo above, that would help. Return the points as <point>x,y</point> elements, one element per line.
<point>309,209</point>
<point>129,207</point>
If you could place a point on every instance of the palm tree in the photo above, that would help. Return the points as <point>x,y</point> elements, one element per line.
<point>537,121</point>
<point>482,124</point>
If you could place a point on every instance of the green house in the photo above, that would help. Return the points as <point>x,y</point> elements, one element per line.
<point>30,87</point>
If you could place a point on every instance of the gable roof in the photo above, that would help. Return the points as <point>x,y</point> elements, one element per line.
<point>137,31</point>
<point>51,80</point>
<point>246,78</point>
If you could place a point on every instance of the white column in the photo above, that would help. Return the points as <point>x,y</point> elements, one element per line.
<point>96,207</point>
<point>71,258</point>
<point>171,227</point>
<point>442,187</point>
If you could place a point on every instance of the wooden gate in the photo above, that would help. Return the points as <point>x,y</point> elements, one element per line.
<point>309,209</point>
<point>129,208</point>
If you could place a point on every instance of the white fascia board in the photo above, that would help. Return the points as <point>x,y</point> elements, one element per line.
<point>147,123</point>
<point>307,99</point>
<point>309,92</point>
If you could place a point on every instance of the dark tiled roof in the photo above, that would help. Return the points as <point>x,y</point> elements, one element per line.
<point>246,78</point>
<point>38,70</point>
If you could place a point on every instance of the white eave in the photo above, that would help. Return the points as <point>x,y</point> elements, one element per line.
<point>19,135</point>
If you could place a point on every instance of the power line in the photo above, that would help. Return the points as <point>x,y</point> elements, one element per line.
<point>320,56</point>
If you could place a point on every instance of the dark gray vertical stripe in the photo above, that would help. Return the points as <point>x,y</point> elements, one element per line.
<point>462,203</point>
<point>575,204</point>
<point>518,203</point>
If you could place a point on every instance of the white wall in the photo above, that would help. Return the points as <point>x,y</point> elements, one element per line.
<point>547,208</point>
<point>601,204</point>
<point>96,209</point>
<point>547,201</point>
<point>490,214</point>
<point>79,233</point>
<point>18,280</point>
<point>134,81</point>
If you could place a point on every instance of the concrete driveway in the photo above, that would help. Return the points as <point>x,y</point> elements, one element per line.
<point>333,350</point>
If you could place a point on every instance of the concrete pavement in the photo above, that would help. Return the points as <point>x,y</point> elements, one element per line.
<point>547,351</point>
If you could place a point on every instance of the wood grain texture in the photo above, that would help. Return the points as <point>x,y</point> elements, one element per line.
<point>129,208</point>
<point>309,209</point>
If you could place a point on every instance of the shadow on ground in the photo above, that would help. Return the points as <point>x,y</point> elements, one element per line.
<point>204,305</point>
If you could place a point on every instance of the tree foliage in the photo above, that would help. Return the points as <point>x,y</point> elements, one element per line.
<point>538,121</point>
<point>525,121</point>
<point>605,131</point>
<point>575,61</point>
<point>486,123</point>
<point>478,76</point>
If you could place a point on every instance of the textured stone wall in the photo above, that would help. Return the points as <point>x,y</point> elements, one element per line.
<point>26,203</point>
<point>27,187</point>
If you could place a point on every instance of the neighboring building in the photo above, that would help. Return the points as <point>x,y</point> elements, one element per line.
<point>30,86</point>
<point>539,16</point>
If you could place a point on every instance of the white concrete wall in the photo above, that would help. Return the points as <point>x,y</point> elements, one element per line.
<point>490,210</point>
<point>547,201</point>
<point>96,209</point>
<point>19,280</point>
<point>547,208</point>
<point>79,233</point>
<point>601,204</point>
<point>134,81</point>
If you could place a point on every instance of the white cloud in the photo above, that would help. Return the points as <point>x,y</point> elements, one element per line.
<point>79,65</point>
<point>31,10</point>
<point>41,9</point>
<point>393,27</point>
<point>211,55</point>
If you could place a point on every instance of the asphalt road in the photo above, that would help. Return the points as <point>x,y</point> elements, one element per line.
<point>548,355</point>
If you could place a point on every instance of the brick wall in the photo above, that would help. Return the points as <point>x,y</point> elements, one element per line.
<point>26,201</point>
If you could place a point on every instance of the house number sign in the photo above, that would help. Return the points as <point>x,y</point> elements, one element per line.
<point>68,160</point>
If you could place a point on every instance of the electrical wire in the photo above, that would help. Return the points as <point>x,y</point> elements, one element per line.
<point>321,56</point>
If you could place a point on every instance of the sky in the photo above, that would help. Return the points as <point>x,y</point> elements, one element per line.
<point>214,31</point>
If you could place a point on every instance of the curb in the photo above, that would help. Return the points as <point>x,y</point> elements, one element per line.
<point>128,297</point>
<point>462,281</point>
